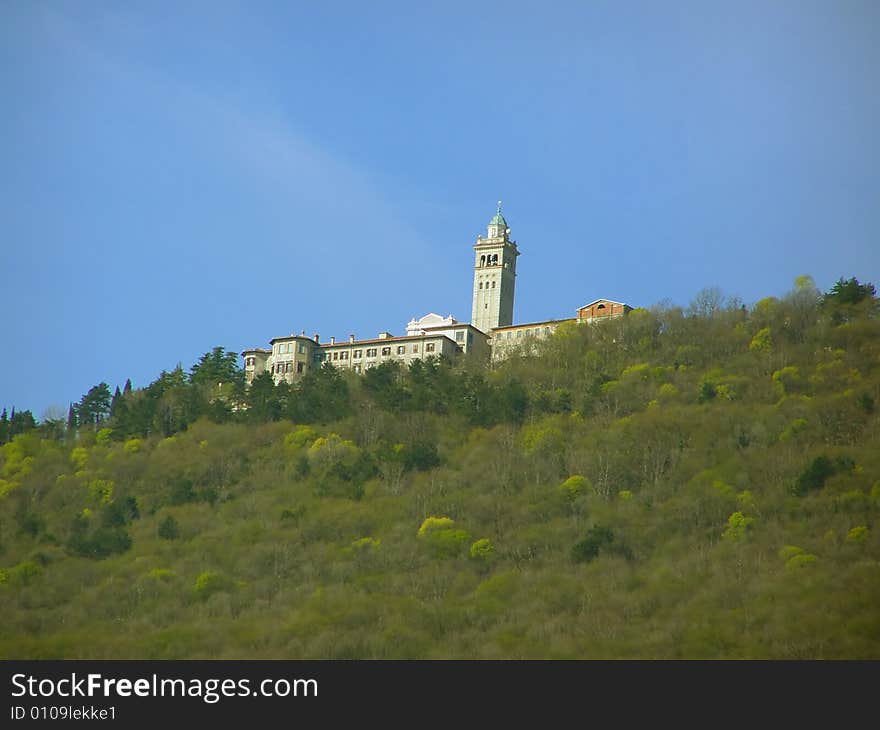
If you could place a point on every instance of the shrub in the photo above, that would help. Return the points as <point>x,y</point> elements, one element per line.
<point>168,529</point>
<point>737,527</point>
<point>789,551</point>
<point>588,549</point>
<point>482,549</point>
<point>574,487</point>
<point>815,475</point>
<point>441,537</point>
<point>857,534</point>
<point>799,562</point>
<point>211,582</point>
<point>435,523</point>
<point>20,574</point>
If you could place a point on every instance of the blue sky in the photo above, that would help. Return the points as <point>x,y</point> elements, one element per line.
<point>177,176</point>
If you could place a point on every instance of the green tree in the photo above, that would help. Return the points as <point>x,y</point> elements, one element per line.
<point>169,529</point>
<point>216,367</point>
<point>847,299</point>
<point>94,407</point>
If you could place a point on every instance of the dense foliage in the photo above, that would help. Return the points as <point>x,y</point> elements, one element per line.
<point>697,483</point>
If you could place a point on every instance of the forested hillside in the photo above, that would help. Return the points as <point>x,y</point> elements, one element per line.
<point>699,483</point>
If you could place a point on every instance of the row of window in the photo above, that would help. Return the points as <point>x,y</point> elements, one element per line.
<point>489,260</point>
<point>286,348</point>
<point>487,285</point>
<point>371,352</point>
<point>527,333</point>
<point>286,367</point>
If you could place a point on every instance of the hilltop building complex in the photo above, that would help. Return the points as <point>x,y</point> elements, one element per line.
<point>491,333</point>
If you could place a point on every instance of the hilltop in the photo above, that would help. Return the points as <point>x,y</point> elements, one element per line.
<point>700,483</point>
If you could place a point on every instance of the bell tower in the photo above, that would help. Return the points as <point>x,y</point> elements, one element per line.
<point>494,276</point>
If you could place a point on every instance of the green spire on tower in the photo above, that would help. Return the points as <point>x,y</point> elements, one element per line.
<point>498,220</point>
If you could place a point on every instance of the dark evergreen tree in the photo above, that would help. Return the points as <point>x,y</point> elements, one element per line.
<point>217,367</point>
<point>117,395</point>
<point>94,407</point>
<point>262,399</point>
<point>20,422</point>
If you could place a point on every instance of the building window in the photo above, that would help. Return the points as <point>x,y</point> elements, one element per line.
<point>386,351</point>
<point>371,352</point>
<point>519,333</point>
<point>335,355</point>
<point>401,349</point>
<point>481,285</point>
<point>288,367</point>
<point>356,355</point>
<point>343,356</point>
<point>302,348</point>
<point>415,348</point>
<point>493,284</point>
<point>356,367</point>
<point>528,333</point>
<point>299,367</point>
<point>459,336</point>
<point>429,347</point>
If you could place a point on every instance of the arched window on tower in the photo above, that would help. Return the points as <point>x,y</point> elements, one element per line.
<point>495,259</point>
<point>483,260</point>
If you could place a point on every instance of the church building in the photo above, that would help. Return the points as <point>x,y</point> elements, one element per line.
<point>491,333</point>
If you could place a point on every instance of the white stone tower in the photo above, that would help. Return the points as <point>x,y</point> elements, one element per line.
<point>494,276</point>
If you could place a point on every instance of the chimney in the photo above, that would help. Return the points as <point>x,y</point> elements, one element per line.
<point>384,335</point>
<point>332,340</point>
<point>351,338</point>
<point>317,337</point>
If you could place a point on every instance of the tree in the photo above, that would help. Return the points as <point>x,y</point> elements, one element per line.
<point>168,529</point>
<point>707,302</point>
<point>94,407</point>
<point>117,395</point>
<point>262,399</point>
<point>217,367</point>
<point>848,298</point>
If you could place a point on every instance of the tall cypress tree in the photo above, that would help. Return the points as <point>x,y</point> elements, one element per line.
<point>114,402</point>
